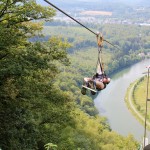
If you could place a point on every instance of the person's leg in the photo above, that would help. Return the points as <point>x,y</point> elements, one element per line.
<point>86,81</point>
<point>100,85</point>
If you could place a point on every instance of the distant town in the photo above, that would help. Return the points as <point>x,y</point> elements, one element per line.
<point>89,19</point>
<point>107,17</point>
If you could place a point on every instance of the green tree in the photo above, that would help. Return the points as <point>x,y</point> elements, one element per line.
<point>27,71</point>
<point>34,108</point>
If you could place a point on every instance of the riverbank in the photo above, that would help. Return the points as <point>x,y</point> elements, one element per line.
<point>132,105</point>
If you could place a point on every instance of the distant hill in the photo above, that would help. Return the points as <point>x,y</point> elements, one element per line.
<point>124,9</point>
<point>79,3</point>
<point>107,5</point>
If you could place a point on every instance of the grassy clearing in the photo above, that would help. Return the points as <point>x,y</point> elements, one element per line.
<point>138,99</point>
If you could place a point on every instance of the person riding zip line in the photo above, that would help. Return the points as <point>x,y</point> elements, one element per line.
<point>100,79</point>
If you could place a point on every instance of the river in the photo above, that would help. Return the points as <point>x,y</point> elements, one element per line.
<point>110,102</point>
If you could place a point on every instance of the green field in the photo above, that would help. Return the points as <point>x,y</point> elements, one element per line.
<point>138,99</point>
<point>140,96</point>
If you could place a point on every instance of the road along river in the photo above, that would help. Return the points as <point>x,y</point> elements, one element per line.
<point>110,102</point>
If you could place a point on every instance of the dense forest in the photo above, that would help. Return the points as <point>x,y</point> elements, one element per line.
<point>40,99</point>
<point>129,48</point>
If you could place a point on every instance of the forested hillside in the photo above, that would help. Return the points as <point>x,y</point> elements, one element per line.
<point>40,99</point>
<point>130,48</point>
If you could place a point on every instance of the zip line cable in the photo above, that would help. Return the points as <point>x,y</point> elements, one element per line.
<point>78,22</point>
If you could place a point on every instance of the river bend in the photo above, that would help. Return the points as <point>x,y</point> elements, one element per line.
<point>110,102</point>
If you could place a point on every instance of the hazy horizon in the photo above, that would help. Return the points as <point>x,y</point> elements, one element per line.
<point>127,2</point>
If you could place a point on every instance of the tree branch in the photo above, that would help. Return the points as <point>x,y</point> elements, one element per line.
<point>4,9</point>
<point>1,57</point>
<point>2,12</point>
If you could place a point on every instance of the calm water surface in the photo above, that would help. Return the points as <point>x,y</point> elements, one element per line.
<point>110,102</point>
